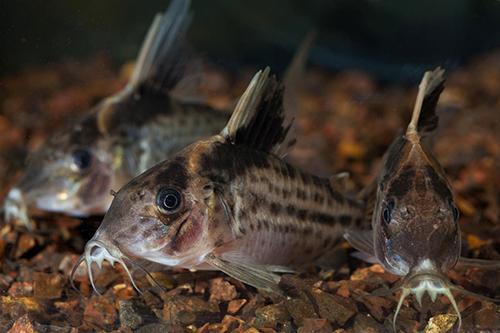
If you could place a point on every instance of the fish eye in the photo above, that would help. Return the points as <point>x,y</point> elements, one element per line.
<point>81,158</point>
<point>387,212</point>
<point>168,200</point>
<point>456,213</point>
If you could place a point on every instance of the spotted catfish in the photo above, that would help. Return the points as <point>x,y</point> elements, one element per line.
<point>228,203</point>
<point>124,135</point>
<point>415,220</point>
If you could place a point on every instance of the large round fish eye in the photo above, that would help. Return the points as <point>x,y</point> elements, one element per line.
<point>387,212</point>
<point>168,200</point>
<point>82,159</point>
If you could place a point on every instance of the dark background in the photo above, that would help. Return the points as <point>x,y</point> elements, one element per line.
<point>394,40</point>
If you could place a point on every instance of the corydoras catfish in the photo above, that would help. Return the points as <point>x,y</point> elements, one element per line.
<point>229,203</point>
<point>123,135</point>
<point>415,226</point>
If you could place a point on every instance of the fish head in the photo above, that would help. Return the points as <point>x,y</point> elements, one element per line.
<point>415,218</point>
<point>416,231</point>
<point>162,215</point>
<point>70,174</point>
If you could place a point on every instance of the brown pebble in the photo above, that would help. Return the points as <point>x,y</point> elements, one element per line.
<point>271,316</point>
<point>235,305</point>
<point>377,306</point>
<point>48,286</point>
<point>221,290</point>
<point>23,325</point>
<point>26,243</point>
<point>177,309</point>
<point>334,308</point>
<point>18,289</point>
<point>366,324</point>
<point>441,323</point>
<point>299,310</point>
<point>17,306</point>
<point>315,325</point>
<point>488,318</point>
<point>100,312</point>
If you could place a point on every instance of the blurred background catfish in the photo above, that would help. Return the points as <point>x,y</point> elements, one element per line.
<point>142,124</point>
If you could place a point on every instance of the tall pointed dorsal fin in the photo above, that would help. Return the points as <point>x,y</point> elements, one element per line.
<point>258,120</point>
<point>161,64</point>
<point>293,79</point>
<point>159,68</point>
<point>424,118</point>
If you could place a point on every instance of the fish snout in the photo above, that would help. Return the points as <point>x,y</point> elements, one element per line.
<point>15,208</point>
<point>98,250</point>
<point>427,282</point>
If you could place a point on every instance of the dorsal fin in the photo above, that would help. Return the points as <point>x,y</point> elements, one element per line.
<point>424,119</point>
<point>160,65</point>
<point>293,79</point>
<point>259,120</point>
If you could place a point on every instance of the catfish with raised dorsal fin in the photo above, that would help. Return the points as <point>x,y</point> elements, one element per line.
<point>124,135</point>
<point>145,123</point>
<point>415,220</point>
<point>228,202</point>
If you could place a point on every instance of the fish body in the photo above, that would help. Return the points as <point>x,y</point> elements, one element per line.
<point>229,202</point>
<point>122,136</point>
<point>416,234</point>
<point>416,220</point>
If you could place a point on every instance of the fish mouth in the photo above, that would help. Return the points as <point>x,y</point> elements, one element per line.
<point>434,284</point>
<point>42,195</point>
<point>15,208</point>
<point>430,283</point>
<point>97,252</point>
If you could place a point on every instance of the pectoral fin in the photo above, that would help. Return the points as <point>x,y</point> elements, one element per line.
<point>363,242</point>
<point>255,275</point>
<point>339,181</point>
<point>478,263</point>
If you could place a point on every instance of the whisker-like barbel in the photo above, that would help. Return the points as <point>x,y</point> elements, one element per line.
<point>96,252</point>
<point>131,278</point>
<point>89,262</point>
<point>145,271</point>
<point>422,283</point>
<point>73,272</point>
